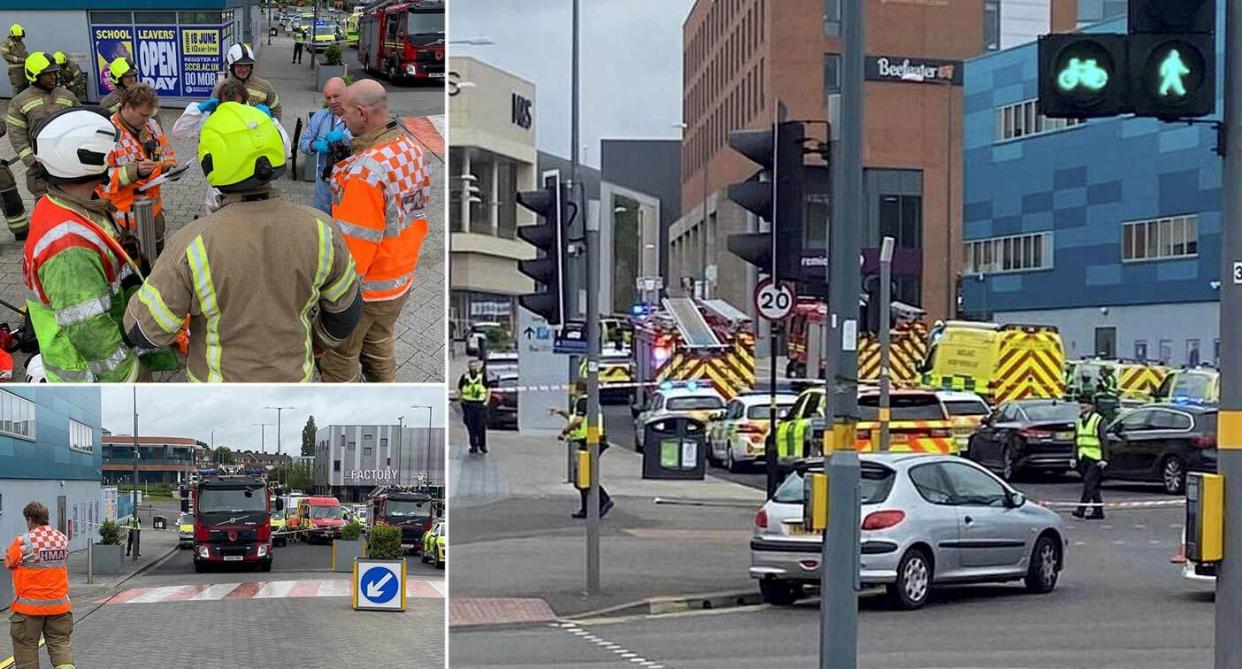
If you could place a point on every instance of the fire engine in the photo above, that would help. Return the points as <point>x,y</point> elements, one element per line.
<point>403,39</point>
<point>908,336</point>
<point>709,341</point>
<point>232,522</point>
<point>411,510</point>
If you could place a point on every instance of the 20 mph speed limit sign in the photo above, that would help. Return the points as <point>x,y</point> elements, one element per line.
<point>773,301</point>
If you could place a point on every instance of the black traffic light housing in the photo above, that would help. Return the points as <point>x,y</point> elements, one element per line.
<point>1083,75</point>
<point>547,269</point>
<point>1173,76</point>
<point>1171,16</point>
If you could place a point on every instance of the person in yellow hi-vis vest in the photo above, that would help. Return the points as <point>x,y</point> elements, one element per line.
<point>576,431</point>
<point>473,390</point>
<point>1091,457</point>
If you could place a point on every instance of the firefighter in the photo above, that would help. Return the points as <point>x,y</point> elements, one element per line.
<point>14,52</point>
<point>76,269</point>
<point>379,196</point>
<point>11,200</point>
<point>251,273</point>
<point>1091,457</point>
<point>576,431</point>
<point>299,40</point>
<point>142,154</point>
<point>28,110</point>
<point>124,74</point>
<point>240,60</point>
<point>39,562</point>
<point>472,388</point>
<point>71,76</point>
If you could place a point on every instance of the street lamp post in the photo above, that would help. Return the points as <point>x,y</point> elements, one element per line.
<point>278,412</point>
<point>428,408</point>
<point>262,436</point>
<point>134,491</point>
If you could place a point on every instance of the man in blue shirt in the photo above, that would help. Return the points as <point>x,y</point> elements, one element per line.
<point>326,130</point>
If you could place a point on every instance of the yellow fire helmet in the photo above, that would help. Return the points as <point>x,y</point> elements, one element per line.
<point>239,148</point>
<point>16,30</point>
<point>38,63</point>
<point>60,57</point>
<point>120,68</point>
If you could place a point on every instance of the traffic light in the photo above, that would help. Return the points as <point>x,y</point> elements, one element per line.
<point>1083,75</point>
<point>1172,58</point>
<point>548,266</point>
<point>1171,16</point>
<point>777,188</point>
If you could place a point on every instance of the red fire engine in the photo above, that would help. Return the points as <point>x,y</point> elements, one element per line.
<point>232,522</point>
<point>403,39</point>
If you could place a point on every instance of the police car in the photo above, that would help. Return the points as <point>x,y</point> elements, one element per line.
<point>738,438</point>
<point>689,398</point>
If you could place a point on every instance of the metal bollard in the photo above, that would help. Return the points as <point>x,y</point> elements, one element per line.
<point>144,226</point>
<point>90,569</point>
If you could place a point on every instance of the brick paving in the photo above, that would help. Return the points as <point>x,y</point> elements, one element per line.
<point>420,330</point>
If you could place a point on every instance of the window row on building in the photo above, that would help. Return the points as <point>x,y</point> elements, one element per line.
<point>1015,253</point>
<point>1163,351</point>
<point>1156,239</point>
<point>17,416</point>
<point>1022,120</point>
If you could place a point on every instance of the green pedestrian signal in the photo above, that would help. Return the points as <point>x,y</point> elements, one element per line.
<point>1086,73</point>
<point>1172,76</point>
<point>1171,72</point>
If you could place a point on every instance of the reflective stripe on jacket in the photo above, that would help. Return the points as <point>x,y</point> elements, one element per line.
<point>1087,437</point>
<point>14,52</point>
<point>579,433</point>
<point>378,200</point>
<point>123,179</point>
<point>39,562</point>
<point>28,110</point>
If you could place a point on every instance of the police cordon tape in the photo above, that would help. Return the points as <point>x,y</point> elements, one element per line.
<point>453,394</point>
<point>1124,504</point>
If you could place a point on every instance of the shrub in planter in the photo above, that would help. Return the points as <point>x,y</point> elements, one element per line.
<point>385,542</point>
<point>332,55</point>
<point>109,533</point>
<point>352,530</point>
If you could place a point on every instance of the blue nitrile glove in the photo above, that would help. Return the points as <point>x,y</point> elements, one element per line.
<point>319,146</point>
<point>335,136</point>
<point>264,109</point>
<point>209,105</point>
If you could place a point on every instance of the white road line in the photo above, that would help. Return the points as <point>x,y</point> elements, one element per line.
<point>617,649</point>
<point>1119,542</point>
<point>275,589</point>
<point>156,594</point>
<point>1080,543</point>
<point>217,591</point>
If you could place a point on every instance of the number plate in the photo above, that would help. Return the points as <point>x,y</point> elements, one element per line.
<point>795,529</point>
<point>233,558</point>
<point>436,75</point>
<point>1065,436</point>
<point>899,438</point>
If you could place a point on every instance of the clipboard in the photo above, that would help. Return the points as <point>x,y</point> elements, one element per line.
<point>171,175</point>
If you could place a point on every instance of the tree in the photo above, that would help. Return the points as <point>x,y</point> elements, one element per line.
<point>223,456</point>
<point>299,477</point>
<point>308,437</point>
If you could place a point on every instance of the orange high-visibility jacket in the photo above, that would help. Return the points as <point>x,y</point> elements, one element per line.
<point>123,180</point>
<point>379,196</point>
<point>39,562</point>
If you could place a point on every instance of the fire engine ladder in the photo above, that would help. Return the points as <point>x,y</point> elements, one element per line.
<point>727,311</point>
<point>695,332</point>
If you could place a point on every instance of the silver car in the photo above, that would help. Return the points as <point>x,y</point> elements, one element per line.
<point>926,520</point>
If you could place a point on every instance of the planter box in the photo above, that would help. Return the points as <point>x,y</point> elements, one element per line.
<point>107,559</point>
<point>326,72</point>
<point>344,552</point>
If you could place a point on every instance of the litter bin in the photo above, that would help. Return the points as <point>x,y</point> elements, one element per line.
<point>675,448</point>
<point>159,523</point>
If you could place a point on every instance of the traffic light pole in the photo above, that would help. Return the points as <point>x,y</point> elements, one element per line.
<point>1229,458</point>
<point>839,561</point>
<point>571,273</point>
<point>886,339</point>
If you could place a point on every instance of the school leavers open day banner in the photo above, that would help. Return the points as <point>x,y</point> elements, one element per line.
<point>176,62</point>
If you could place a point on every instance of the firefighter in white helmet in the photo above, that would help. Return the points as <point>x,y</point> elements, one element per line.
<point>240,60</point>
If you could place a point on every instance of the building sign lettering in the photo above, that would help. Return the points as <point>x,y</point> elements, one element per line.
<point>913,70</point>
<point>521,111</point>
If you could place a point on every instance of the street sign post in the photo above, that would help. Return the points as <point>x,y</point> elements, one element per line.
<point>774,301</point>
<point>379,585</point>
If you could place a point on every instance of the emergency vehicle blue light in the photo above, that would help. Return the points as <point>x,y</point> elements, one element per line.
<point>638,309</point>
<point>692,385</point>
<point>667,385</point>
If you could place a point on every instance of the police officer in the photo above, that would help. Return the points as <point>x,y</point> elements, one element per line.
<point>14,51</point>
<point>1091,456</point>
<point>124,74</point>
<point>133,537</point>
<point>240,60</point>
<point>576,431</point>
<point>71,76</point>
<point>472,388</point>
<point>38,560</point>
<point>26,111</point>
<point>299,40</point>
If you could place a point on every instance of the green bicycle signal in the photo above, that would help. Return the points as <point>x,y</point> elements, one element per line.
<point>1082,72</point>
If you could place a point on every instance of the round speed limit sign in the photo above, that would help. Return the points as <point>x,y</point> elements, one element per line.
<point>773,301</point>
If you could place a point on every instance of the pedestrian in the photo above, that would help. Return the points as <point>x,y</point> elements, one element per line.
<point>26,111</point>
<point>71,76</point>
<point>240,60</point>
<point>299,40</point>
<point>10,200</point>
<point>1091,456</point>
<point>133,538</point>
<point>39,562</point>
<point>75,257</point>
<point>14,52</point>
<point>473,391</point>
<point>266,282</point>
<point>576,431</point>
<point>124,74</point>
<point>380,195</point>
<point>141,155</point>
<point>327,137</point>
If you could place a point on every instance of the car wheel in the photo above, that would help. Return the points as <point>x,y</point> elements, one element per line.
<point>779,593</point>
<point>1041,577</point>
<point>1173,475</point>
<point>1007,471</point>
<point>439,564</point>
<point>199,567</point>
<point>914,579</point>
<point>735,467</point>
<point>265,565</point>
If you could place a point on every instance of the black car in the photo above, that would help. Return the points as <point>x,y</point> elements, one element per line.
<point>503,406</point>
<point>1160,443</point>
<point>1026,435</point>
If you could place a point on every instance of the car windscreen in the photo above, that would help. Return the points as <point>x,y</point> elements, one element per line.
<point>325,512</point>
<point>903,407</point>
<point>763,411</point>
<point>875,482</point>
<point>693,403</point>
<point>1194,386</point>
<point>409,508</point>
<point>1051,412</point>
<point>185,519</point>
<point>507,382</point>
<point>425,23</point>
<point>231,500</point>
<point>966,408</point>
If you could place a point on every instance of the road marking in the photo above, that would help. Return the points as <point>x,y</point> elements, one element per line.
<point>620,651</point>
<point>1119,542</point>
<point>1080,543</point>
<point>415,588</point>
<point>1155,542</point>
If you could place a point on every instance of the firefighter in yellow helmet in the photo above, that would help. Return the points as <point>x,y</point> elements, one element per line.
<point>71,76</point>
<point>26,111</point>
<point>266,283</point>
<point>124,74</point>
<point>14,51</point>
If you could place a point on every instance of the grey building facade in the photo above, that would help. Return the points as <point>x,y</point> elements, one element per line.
<point>350,460</point>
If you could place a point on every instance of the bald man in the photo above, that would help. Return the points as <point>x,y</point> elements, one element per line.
<point>380,196</point>
<point>328,140</point>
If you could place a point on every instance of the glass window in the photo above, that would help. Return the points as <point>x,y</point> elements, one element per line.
<point>832,17</point>
<point>353,445</point>
<point>1052,411</point>
<point>1169,420</point>
<point>336,465</point>
<point>366,451</point>
<point>694,403</point>
<point>763,411</point>
<point>155,17</point>
<point>112,17</point>
<point>930,482</point>
<point>991,25</point>
<point>1136,420</point>
<point>966,408</point>
<point>81,436</point>
<point>200,18</point>
<point>1140,349</point>
<point>903,407</point>
<point>1166,351</point>
<point>832,74</point>
<point>972,486</point>
<point>875,483</point>
<point>1192,352</point>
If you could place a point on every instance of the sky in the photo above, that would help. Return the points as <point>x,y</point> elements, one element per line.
<point>234,411</point>
<point>630,63</point>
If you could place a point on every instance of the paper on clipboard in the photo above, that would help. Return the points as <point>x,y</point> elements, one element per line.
<point>171,175</point>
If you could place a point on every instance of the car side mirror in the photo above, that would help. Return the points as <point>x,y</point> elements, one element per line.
<point>1015,499</point>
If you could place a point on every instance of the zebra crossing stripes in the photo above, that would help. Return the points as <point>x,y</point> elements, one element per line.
<point>202,592</point>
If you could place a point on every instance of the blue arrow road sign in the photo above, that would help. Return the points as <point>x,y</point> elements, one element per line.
<point>378,585</point>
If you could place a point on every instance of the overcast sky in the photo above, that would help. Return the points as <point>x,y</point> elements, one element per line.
<point>234,411</point>
<point>630,63</point>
